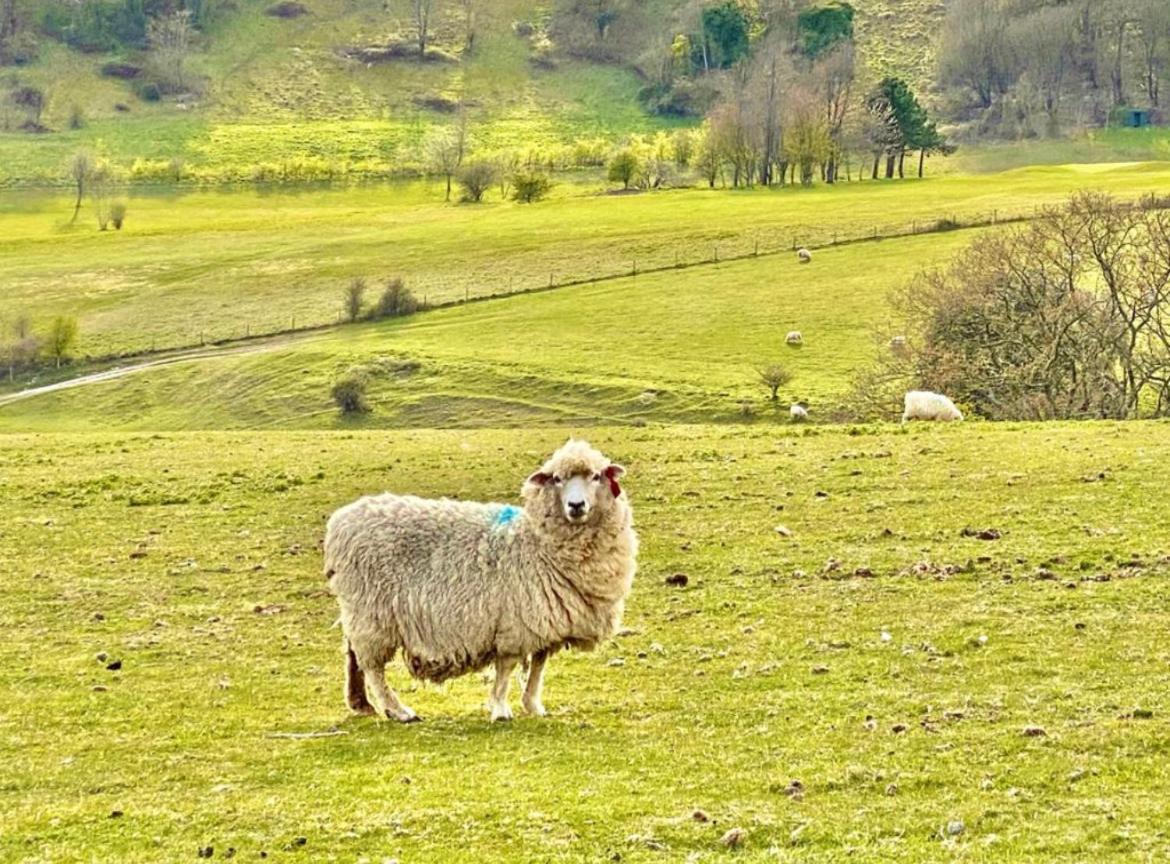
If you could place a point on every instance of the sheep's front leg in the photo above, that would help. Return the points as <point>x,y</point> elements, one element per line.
<point>532,687</point>
<point>498,702</point>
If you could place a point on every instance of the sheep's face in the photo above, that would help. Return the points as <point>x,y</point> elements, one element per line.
<point>576,483</point>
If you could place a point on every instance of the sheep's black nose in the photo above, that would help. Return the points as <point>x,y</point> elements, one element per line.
<point>576,508</point>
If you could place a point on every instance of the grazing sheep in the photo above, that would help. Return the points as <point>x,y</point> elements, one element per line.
<point>459,585</point>
<point>898,345</point>
<point>798,413</point>
<point>795,337</point>
<point>924,405</point>
<point>804,255</point>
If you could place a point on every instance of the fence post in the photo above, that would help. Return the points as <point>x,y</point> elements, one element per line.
<point>550,280</point>
<point>634,267</point>
<point>757,249</point>
<point>716,259</point>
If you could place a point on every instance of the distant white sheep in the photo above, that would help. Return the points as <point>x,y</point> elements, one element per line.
<point>458,585</point>
<point>794,337</point>
<point>798,413</point>
<point>898,345</point>
<point>924,405</point>
<point>804,255</point>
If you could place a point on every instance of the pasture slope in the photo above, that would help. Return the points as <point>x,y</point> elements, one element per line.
<point>203,266</point>
<point>675,346</point>
<point>875,686</point>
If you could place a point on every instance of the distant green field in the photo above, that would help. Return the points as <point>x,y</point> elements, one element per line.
<point>205,266</point>
<point>763,694</point>
<point>678,346</point>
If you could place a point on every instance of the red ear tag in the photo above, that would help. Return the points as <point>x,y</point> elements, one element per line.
<point>615,488</point>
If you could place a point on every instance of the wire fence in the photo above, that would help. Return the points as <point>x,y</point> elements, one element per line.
<point>534,274</point>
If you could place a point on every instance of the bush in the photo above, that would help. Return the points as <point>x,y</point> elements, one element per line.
<point>395,301</point>
<point>476,178</point>
<point>148,91</point>
<point>354,298</point>
<point>76,117</point>
<point>349,393</point>
<point>774,376</point>
<point>118,214</point>
<point>623,167</point>
<point>528,187</point>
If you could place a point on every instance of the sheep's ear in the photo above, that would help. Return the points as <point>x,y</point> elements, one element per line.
<point>539,478</point>
<point>612,473</point>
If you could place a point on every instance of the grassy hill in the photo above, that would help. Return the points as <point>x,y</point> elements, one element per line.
<point>204,266</point>
<point>764,693</point>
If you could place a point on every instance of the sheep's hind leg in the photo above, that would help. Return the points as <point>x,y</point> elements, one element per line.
<point>498,703</point>
<point>392,706</point>
<point>355,685</point>
<point>532,687</point>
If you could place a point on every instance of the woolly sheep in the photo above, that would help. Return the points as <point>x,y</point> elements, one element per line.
<point>804,255</point>
<point>795,337</point>
<point>898,345</point>
<point>798,413</point>
<point>924,405</point>
<point>458,585</point>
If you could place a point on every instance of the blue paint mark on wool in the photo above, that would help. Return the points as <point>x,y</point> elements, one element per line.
<point>506,514</point>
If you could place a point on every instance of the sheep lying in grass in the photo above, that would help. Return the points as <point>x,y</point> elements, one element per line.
<point>924,405</point>
<point>804,255</point>
<point>794,337</point>
<point>459,585</point>
<point>798,412</point>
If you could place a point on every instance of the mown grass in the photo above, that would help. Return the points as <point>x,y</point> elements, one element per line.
<point>213,265</point>
<point>763,673</point>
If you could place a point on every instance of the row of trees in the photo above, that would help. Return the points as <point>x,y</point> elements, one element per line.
<point>90,175</point>
<point>23,348</point>
<point>1056,58</point>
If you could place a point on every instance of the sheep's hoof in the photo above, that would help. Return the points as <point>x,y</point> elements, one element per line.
<point>536,709</point>
<point>501,714</point>
<point>366,710</point>
<point>408,717</point>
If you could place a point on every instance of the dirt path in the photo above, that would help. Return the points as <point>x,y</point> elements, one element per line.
<point>253,347</point>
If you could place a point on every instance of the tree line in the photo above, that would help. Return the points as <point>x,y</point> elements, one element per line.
<point>24,347</point>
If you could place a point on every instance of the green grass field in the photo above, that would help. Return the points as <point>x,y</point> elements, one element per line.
<point>764,693</point>
<point>679,346</point>
<point>217,265</point>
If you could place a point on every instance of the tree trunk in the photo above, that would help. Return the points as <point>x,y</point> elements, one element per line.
<point>77,204</point>
<point>448,187</point>
<point>902,164</point>
<point>891,165</point>
<point>921,163</point>
<point>877,161</point>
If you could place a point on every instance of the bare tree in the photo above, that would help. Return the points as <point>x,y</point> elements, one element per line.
<point>169,37</point>
<point>833,75</point>
<point>423,14</point>
<point>976,52</point>
<point>1045,40</point>
<point>1118,21</point>
<point>469,24</point>
<point>81,167</point>
<point>1153,21</point>
<point>445,149</point>
<point>1062,318</point>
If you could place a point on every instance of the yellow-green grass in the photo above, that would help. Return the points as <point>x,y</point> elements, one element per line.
<point>676,346</point>
<point>764,693</point>
<point>215,265</point>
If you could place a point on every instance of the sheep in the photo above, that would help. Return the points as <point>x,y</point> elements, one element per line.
<point>804,255</point>
<point>898,345</point>
<point>794,337</point>
<point>924,405</point>
<point>798,412</point>
<point>458,585</point>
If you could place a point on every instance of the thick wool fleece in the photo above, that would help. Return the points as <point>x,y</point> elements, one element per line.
<point>456,584</point>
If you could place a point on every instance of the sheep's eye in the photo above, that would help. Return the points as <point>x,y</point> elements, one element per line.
<point>556,480</point>
<point>596,478</point>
